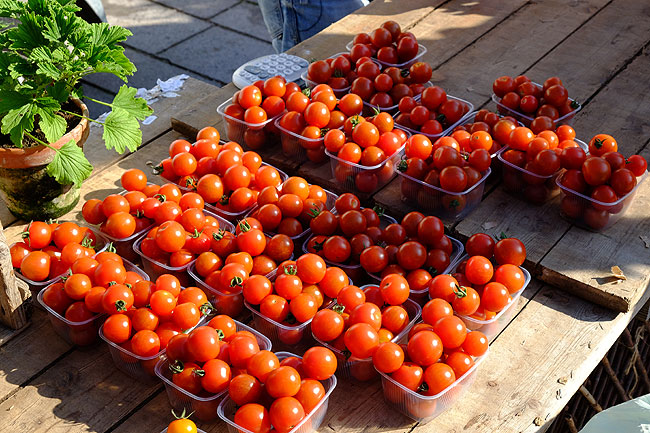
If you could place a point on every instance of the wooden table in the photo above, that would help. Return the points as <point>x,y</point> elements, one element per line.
<point>556,339</point>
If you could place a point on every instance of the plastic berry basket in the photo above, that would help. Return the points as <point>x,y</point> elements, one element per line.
<point>529,186</point>
<point>450,128</point>
<point>247,133</point>
<point>141,368</point>
<point>422,50</point>
<point>424,408</point>
<point>370,109</point>
<point>448,206</point>
<point>155,268</point>
<point>234,216</point>
<point>79,333</point>
<point>37,286</point>
<point>205,406</point>
<point>492,327</point>
<point>363,370</point>
<point>339,93</point>
<point>311,422</point>
<point>294,145</point>
<point>358,178</point>
<point>297,337</point>
<point>422,296</point>
<point>567,119</point>
<point>329,205</point>
<point>354,271</point>
<point>469,118</point>
<point>231,304</point>
<point>592,214</point>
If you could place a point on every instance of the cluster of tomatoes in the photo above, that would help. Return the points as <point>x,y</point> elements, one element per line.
<point>432,113</point>
<point>299,289</point>
<point>341,235</point>
<point>416,248</point>
<point>309,117</point>
<point>604,175</point>
<point>276,393</point>
<point>439,351</point>
<point>49,249</point>
<point>440,176</point>
<point>541,104</point>
<point>362,320</point>
<point>337,72</point>
<point>223,175</point>
<point>486,127</point>
<point>144,318</point>
<point>203,361</point>
<point>386,88</point>
<point>478,288</point>
<point>534,159</point>
<point>387,43</point>
<point>247,115</point>
<point>289,209</point>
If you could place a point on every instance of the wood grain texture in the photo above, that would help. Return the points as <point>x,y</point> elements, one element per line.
<point>84,393</point>
<point>12,292</point>
<point>27,354</point>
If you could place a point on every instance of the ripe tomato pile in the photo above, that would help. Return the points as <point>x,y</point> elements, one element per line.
<point>288,209</point>
<point>276,394</point>
<point>337,72</point>
<point>438,174</point>
<point>341,235</point>
<point>482,284</point>
<point>603,176</point>
<point>362,320</point>
<point>294,296</point>
<point>369,142</point>
<point>438,352</point>
<point>308,118</point>
<point>386,88</point>
<point>48,250</point>
<point>487,127</point>
<point>535,159</point>
<point>416,248</point>
<point>222,175</point>
<point>432,113</point>
<point>388,44</point>
<point>535,106</point>
<point>247,116</point>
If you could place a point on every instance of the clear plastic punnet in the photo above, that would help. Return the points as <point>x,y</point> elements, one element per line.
<point>422,50</point>
<point>424,408</point>
<point>363,370</point>
<point>493,326</point>
<point>529,186</point>
<point>82,333</point>
<point>527,119</point>
<point>37,286</point>
<point>251,135</point>
<point>310,423</point>
<point>450,128</point>
<point>447,205</point>
<point>591,214</point>
<point>204,407</point>
<point>422,296</point>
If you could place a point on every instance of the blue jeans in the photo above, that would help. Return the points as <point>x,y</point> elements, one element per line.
<point>292,21</point>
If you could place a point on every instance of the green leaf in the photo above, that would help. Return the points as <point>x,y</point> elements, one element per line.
<point>28,34</point>
<point>52,125</point>
<point>17,121</point>
<point>122,131</point>
<point>11,100</point>
<point>103,34</point>
<point>69,165</point>
<point>11,8</point>
<point>126,100</point>
<point>49,70</point>
<point>59,92</point>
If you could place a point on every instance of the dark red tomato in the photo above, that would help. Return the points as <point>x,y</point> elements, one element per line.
<point>637,164</point>
<point>623,181</point>
<point>573,157</point>
<point>510,250</point>
<point>480,244</point>
<point>596,170</point>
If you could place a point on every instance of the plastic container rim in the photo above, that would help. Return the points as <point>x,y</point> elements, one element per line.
<point>220,110</point>
<point>467,191</point>
<point>495,98</point>
<point>450,128</point>
<point>364,167</point>
<point>422,50</point>
<point>614,203</point>
<point>501,151</point>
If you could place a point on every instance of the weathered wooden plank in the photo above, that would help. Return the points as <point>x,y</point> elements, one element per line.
<point>556,338</point>
<point>13,313</point>
<point>581,261</point>
<point>84,393</point>
<point>29,353</point>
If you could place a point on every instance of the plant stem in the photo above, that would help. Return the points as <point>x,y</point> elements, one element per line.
<point>99,102</point>
<point>39,141</point>
<point>83,117</point>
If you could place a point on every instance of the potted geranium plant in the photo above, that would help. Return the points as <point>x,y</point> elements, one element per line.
<point>45,50</point>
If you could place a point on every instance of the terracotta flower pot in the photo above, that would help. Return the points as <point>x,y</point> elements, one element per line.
<point>30,193</point>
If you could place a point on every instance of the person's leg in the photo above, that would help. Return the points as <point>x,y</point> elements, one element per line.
<point>274,20</point>
<point>314,15</point>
